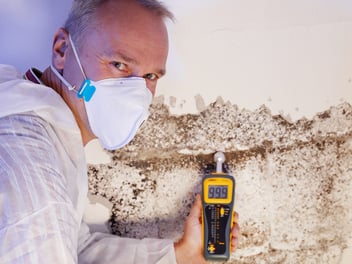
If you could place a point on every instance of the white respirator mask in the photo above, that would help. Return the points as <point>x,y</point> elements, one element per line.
<point>116,107</point>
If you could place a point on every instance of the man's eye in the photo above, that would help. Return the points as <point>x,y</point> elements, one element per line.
<point>151,76</point>
<point>120,66</point>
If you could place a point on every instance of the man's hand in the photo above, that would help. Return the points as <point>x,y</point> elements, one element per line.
<point>190,249</point>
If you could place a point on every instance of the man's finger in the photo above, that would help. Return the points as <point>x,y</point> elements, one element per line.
<point>235,217</point>
<point>234,243</point>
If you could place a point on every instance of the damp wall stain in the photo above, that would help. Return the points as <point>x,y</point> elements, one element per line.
<point>293,179</point>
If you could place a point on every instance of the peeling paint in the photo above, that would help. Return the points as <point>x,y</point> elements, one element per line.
<point>293,190</point>
<point>200,104</point>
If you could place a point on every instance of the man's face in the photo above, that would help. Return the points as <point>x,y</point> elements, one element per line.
<point>127,40</point>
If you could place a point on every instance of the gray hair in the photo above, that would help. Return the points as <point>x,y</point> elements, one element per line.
<point>82,15</point>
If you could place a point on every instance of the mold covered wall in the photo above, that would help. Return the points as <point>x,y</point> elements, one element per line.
<point>293,190</point>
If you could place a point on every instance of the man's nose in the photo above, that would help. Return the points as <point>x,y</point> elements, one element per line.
<point>152,88</point>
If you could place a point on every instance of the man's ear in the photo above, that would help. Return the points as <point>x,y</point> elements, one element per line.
<point>60,46</point>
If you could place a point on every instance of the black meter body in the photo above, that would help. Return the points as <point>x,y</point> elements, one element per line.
<point>218,193</point>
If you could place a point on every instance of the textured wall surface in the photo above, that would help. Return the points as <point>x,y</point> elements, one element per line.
<point>294,179</point>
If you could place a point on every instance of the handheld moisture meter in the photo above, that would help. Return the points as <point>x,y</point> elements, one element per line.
<point>218,193</point>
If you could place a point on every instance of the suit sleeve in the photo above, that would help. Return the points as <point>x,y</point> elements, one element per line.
<point>107,248</point>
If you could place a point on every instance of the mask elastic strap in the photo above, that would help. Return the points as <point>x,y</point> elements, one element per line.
<point>62,79</point>
<point>76,55</point>
<point>87,89</point>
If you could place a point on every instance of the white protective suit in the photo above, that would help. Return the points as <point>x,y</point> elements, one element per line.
<point>43,185</point>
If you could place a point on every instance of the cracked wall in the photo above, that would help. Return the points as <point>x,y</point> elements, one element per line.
<point>293,179</point>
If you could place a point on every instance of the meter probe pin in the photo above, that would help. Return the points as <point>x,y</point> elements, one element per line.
<point>219,158</point>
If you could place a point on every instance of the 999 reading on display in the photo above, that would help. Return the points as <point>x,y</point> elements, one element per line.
<point>217,191</point>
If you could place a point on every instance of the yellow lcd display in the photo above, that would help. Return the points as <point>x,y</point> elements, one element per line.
<point>218,190</point>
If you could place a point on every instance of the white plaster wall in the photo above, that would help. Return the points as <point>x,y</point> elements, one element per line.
<point>294,56</point>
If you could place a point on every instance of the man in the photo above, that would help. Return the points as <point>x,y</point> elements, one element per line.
<point>106,62</point>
